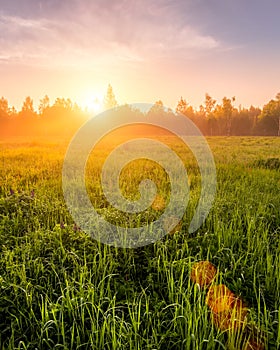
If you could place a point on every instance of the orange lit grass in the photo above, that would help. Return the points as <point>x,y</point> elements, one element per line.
<point>203,273</point>
<point>234,317</point>
<point>219,298</point>
<point>228,311</point>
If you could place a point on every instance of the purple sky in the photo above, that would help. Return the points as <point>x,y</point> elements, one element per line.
<point>147,50</point>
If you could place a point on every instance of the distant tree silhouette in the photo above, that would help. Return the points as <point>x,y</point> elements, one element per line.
<point>227,111</point>
<point>209,106</point>
<point>269,119</point>
<point>157,108</point>
<point>44,104</point>
<point>278,108</point>
<point>184,108</point>
<point>4,108</point>
<point>13,111</point>
<point>212,118</point>
<point>28,105</point>
<point>209,103</point>
<point>27,109</point>
<point>110,99</point>
<point>63,103</point>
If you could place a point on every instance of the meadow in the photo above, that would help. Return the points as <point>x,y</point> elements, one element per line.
<point>61,289</point>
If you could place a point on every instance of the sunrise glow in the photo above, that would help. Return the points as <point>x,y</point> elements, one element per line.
<point>92,104</point>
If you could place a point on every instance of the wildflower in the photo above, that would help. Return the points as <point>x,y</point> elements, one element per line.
<point>203,273</point>
<point>32,194</point>
<point>62,226</point>
<point>12,192</point>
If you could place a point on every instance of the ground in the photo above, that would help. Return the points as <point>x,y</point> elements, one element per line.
<point>61,289</point>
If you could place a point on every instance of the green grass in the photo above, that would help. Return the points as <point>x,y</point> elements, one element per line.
<point>60,289</point>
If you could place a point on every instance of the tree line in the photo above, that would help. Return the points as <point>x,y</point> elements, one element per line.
<point>212,118</point>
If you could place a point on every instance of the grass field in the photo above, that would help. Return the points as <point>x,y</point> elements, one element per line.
<point>60,289</point>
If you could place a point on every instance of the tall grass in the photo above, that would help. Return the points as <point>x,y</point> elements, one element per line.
<point>60,289</point>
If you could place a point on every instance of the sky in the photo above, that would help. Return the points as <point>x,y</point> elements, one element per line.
<point>147,50</point>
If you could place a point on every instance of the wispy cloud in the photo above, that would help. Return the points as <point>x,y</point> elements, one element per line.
<point>95,32</point>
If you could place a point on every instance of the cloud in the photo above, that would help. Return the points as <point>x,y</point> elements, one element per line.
<point>92,33</point>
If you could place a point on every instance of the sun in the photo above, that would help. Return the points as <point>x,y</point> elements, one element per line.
<point>93,104</point>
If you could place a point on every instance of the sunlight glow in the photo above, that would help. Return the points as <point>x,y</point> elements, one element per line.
<point>93,104</point>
